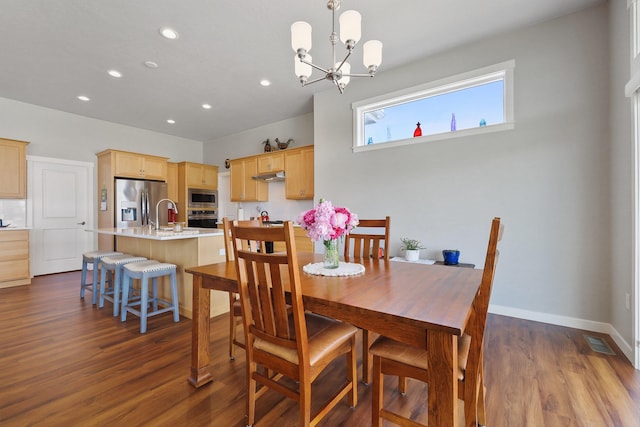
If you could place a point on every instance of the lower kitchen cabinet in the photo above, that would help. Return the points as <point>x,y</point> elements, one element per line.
<point>303,242</point>
<point>14,258</point>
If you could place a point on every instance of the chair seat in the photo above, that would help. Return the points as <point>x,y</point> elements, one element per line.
<point>413,356</point>
<point>325,335</point>
<point>156,267</point>
<point>93,255</point>
<point>120,259</point>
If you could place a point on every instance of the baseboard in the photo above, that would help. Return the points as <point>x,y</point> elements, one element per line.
<point>571,322</point>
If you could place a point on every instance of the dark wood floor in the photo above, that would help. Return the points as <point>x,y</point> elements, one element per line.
<point>65,363</point>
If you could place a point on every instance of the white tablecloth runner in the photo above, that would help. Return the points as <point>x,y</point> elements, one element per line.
<point>344,269</point>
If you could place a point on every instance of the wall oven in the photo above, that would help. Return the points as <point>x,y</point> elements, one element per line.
<point>202,199</point>
<point>202,218</point>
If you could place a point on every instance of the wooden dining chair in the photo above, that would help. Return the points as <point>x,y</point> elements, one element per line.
<point>280,336</point>
<point>394,358</point>
<point>372,242</point>
<point>235,312</point>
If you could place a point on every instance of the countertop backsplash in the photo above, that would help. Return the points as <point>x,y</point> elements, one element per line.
<point>14,212</point>
<point>278,207</point>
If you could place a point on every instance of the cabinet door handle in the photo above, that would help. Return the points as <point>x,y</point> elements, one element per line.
<point>81,223</point>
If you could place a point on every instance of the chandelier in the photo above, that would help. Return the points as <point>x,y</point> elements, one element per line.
<point>350,33</point>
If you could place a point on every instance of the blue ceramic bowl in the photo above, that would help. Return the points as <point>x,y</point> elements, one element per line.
<point>450,256</point>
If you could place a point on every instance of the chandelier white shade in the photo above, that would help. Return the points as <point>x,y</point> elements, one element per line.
<point>350,34</point>
<point>350,26</point>
<point>301,36</point>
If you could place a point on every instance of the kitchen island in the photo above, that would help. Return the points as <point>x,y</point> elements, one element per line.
<point>189,248</point>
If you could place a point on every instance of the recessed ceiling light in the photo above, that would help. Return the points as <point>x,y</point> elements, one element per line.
<point>169,33</point>
<point>171,121</point>
<point>265,82</point>
<point>206,106</point>
<point>83,98</point>
<point>115,73</point>
<point>150,64</point>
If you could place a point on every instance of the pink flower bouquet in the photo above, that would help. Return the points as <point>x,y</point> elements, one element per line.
<point>327,222</point>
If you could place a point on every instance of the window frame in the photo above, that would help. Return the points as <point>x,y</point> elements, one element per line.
<point>501,71</point>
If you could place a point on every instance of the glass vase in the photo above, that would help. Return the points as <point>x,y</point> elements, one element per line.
<point>331,258</point>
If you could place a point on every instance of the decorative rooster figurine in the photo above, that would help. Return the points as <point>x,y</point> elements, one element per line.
<point>267,145</point>
<point>283,145</point>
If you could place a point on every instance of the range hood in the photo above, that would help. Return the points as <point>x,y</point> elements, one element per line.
<point>271,176</point>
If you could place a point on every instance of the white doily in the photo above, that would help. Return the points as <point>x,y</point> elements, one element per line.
<point>344,269</point>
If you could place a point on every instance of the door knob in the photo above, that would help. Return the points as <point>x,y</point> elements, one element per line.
<point>81,223</point>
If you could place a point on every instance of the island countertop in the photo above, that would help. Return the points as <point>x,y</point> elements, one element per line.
<point>162,234</point>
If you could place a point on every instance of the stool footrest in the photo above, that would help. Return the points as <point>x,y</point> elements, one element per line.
<point>167,307</point>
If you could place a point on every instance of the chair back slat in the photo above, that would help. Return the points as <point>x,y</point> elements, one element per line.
<point>263,281</point>
<point>368,244</point>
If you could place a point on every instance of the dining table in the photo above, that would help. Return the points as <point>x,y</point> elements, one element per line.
<point>427,306</point>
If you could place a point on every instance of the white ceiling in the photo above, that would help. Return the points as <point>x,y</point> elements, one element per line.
<point>51,51</point>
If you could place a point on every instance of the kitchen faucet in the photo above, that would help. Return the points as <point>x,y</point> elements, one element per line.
<point>157,205</point>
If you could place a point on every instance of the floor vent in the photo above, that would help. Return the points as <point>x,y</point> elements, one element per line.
<point>599,345</point>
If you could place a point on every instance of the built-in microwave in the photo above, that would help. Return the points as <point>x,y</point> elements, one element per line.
<point>202,199</point>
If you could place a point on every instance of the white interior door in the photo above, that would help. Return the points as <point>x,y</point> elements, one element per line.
<point>61,194</point>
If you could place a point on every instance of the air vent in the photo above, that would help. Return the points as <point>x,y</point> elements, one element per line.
<point>599,345</point>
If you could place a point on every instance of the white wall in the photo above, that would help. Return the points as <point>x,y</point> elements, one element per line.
<point>622,161</point>
<point>61,135</point>
<point>549,179</point>
<point>249,143</point>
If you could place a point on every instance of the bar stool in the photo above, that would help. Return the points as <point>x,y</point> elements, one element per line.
<point>114,263</point>
<point>144,272</point>
<point>93,258</point>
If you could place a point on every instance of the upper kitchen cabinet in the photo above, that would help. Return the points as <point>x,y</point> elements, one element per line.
<point>298,165</point>
<point>273,162</point>
<point>198,175</point>
<point>13,169</point>
<point>243,187</point>
<point>172,181</point>
<point>134,165</point>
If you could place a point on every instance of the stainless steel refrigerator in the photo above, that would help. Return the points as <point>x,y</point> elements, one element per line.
<point>135,202</point>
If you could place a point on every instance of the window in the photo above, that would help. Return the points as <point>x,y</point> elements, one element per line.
<point>462,105</point>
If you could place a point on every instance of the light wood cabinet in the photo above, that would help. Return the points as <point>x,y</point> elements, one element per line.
<point>134,165</point>
<point>13,169</point>
<point>198,175</point>
<point>298,164</point>
<point>303,243</point>
<point>172,181</point>
<point>243,187</point>
<point>273,162</point>
<point>14,258</point>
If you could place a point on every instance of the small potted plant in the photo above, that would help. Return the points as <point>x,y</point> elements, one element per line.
<point>412,248</point>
